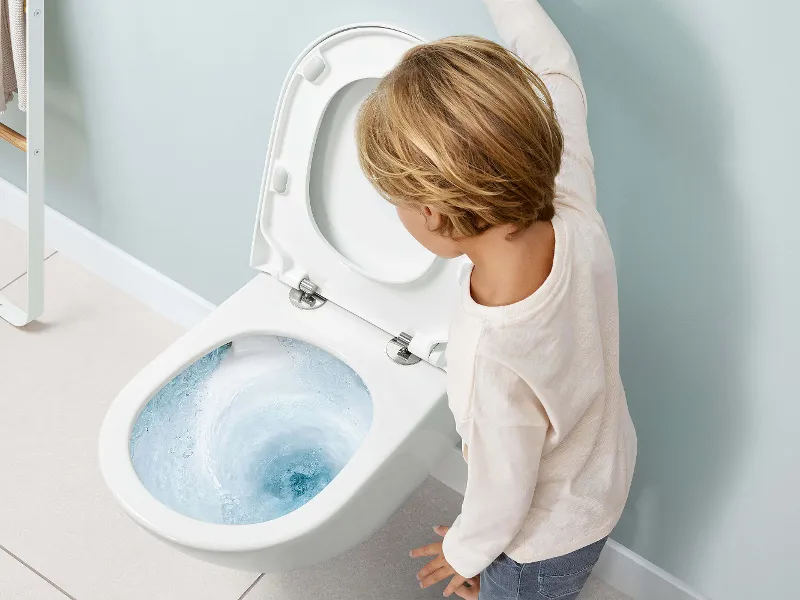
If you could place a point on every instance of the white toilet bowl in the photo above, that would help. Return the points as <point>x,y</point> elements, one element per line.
<point>337,272</point>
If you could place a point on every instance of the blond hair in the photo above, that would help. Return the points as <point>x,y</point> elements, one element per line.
<point>464,126</point>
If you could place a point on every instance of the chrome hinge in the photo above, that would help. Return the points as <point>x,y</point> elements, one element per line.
<point>397,350</point>
<point>305,296</point>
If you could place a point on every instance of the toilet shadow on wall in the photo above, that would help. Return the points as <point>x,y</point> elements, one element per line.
<point>658,127</point>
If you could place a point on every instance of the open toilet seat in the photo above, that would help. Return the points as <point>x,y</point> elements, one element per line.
<point>319,229</point>
<point>378,271</point>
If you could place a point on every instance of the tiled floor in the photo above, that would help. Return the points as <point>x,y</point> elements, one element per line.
<point>21,583</point>
<point>13,252</point>
<point>61,533</point>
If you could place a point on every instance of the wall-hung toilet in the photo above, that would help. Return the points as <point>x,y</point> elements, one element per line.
<point>292,422</point>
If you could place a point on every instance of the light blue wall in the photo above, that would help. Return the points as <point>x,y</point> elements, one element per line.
<point>157,124</point>
<point>694,126</point>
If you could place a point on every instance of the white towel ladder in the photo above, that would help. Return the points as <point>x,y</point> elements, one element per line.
<point>35,161</point>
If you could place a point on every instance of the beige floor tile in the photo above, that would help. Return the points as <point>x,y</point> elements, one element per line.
<point>57,376</point>
<point>597,589</point>
<point>17,582</point>
<point>13,253</point>
<point>379,567</point>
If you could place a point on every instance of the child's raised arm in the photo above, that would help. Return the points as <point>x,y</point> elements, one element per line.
<point>528,31</point>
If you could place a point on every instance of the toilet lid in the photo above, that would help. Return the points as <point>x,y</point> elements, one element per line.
<point>319,218</point>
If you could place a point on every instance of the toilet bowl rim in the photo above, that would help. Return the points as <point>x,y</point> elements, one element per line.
<point>144,508</point>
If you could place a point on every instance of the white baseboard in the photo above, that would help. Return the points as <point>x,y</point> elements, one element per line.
<point>639,578</point>
<point>132,276</point>
<point>618,566</point>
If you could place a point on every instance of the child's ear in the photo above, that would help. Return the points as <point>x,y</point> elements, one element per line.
<point>433,218</point>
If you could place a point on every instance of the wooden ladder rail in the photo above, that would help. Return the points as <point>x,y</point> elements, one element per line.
<point>14,138</point>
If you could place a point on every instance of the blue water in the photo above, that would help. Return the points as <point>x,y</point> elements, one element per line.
<point>251,431</point>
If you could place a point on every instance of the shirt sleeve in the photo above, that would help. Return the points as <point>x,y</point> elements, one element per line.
<point>528,31</point>
<point>506,437</point>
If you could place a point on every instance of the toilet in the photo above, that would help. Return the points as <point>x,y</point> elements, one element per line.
<point>339,284</point>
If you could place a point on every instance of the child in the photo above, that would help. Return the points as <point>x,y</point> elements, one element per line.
<point>487,156</point>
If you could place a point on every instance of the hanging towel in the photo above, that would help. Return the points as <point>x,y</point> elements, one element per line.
<point>12,54</point>
<point>16,23</point>
<point>8,81</point>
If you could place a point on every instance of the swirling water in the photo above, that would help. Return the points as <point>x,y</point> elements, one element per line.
<point>251,431</point>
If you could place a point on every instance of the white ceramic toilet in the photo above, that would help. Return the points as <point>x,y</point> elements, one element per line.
<point>337,271</point>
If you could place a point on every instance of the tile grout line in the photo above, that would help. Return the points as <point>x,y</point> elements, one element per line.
<point>52,254</point>
<point>35,572</point>
<point>252,585</point>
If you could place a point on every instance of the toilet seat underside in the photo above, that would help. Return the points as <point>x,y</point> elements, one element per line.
<point>320,219</point>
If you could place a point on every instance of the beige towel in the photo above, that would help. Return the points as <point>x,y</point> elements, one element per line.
<point>12,53</point>
<point>8,81</point>
<point>16,22</point>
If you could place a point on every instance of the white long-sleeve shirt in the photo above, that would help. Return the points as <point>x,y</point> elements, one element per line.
<point>535,386</point>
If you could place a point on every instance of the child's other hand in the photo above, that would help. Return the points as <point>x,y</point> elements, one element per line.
<point>471,588</point>
<point>438,569</point>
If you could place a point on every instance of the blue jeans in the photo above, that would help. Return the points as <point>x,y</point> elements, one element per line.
<point>562,577</point>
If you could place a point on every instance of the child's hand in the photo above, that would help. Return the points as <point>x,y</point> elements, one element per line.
<point>438,569</point>
<point>471,588</point>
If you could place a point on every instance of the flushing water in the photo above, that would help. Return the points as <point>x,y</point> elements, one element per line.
<point>251,431</point>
